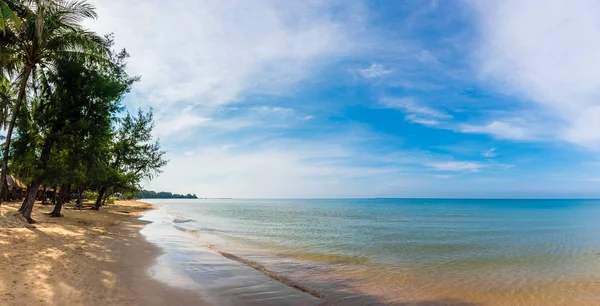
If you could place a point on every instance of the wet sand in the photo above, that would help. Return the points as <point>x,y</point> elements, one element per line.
<point>220,278</point>
<point>85,258</point>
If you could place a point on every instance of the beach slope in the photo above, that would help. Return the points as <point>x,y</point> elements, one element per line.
<point>86,258</point>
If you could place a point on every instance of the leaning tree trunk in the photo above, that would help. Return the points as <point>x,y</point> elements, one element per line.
<point>106,195</point>
<point>24,205</point>
<point>33,188</point>
<point>30,200</point>
<point>101,193</point>
<point>11,126</point>
<point>61,199</point>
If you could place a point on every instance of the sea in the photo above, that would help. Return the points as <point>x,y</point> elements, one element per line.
<point>380,251</point>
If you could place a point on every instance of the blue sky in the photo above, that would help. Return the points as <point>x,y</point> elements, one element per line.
<point>368,98</point>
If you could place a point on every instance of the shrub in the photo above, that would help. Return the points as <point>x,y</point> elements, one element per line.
<point>90,195</point>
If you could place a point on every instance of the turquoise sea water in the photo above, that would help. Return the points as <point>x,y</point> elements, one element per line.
<point>395,251</point>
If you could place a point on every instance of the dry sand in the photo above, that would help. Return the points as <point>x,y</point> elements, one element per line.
<point>86,258</point>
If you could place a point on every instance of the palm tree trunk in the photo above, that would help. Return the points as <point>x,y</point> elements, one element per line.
<point>24,205</point>
<point>30,200</point>
<point>11,125</point>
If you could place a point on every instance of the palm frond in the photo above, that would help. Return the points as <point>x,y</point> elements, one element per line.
<point>7,15</point>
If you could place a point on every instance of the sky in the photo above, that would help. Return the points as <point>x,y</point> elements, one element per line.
<point>304,99</point>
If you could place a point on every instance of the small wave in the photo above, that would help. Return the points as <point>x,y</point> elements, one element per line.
<point>280,278</point>
<point>328,258</point>
<point>187,230</point>
<point>177,220</point>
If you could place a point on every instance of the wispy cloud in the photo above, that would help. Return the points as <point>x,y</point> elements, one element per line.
<point>460,166</point>
<point>374,71</point>
<point>410,105</point>
<point>423,120</point>
<point>216,52</point>
<point>415,111</point>
<point>278,168</point>
<point>491,153</point>
<point>500,129</point>
<point>272,111</point>
<point>181,123</point>
<point>330,166</point>
<point>546,54</point>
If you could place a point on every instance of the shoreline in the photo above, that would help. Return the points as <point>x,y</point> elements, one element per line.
<point>87,257</point>
<point>221,278</point>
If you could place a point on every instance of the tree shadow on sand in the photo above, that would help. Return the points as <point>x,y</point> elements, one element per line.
<point>86,258</point>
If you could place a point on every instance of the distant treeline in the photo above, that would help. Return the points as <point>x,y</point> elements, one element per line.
<point>149,194</point>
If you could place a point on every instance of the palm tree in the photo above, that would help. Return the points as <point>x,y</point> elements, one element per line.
<point>7,14</point>
<point>50,31</point>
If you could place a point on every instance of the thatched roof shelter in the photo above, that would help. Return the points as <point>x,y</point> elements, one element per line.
<point>14,182</point>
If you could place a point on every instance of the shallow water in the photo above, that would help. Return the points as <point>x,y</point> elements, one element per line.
<point>388,251</point>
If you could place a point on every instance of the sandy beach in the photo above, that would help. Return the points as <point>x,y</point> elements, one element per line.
<point>85,258</point>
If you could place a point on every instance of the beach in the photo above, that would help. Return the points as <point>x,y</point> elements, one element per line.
<point>86,258</point>
<point>304,252</point>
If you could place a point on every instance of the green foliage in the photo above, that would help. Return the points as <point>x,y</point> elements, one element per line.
<point>46,35</point>
<point>8,17</point>
<point>90,195</point>
<point>64,135</point>
<point>61,88</point>
<point>134,155</point>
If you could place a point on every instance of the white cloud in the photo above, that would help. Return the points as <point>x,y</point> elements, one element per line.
<point>459,166</point>
<point>309,168</point>
<point>415,111</point>
<point>217,51</point>
<point>423,121</point>
<point>334,164</point>
<point>231,119</point>
<point>283,169</point>
<point>547,53</point>
<point>182,123</point>
<point>585,128</point>
<point>500,129</point>
<point>271,111</point>
<point>411,106</point>
<point>374,71</point>
<point>491,153</point>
